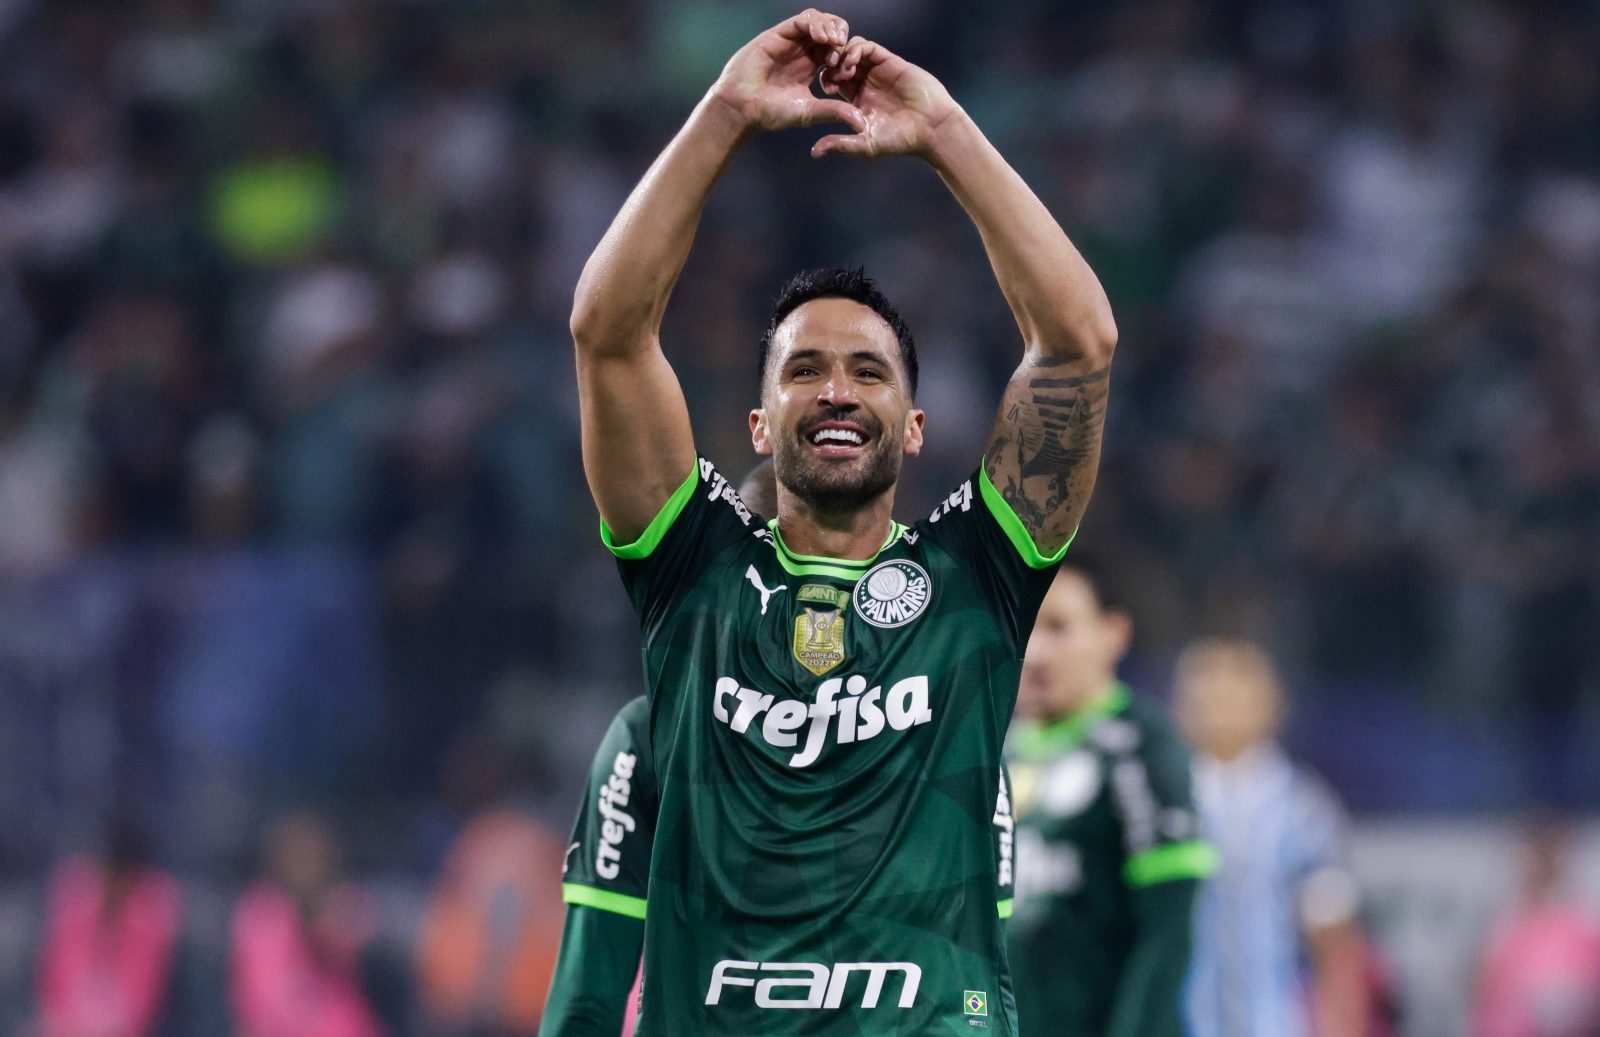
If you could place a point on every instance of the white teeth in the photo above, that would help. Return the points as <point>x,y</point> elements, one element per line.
<point>837,435</point>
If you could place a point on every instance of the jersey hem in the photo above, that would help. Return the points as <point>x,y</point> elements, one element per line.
<point>652,536</point>
<point>1015,531</point>
<point>1190,860</point>
<point>603,900</point>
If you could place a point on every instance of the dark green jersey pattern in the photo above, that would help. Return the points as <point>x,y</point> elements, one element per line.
<point>604,931</point>
<point>1107,858</point>
<point>828,739</point>
<point>604,883</point>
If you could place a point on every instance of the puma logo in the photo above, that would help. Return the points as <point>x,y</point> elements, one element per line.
<point>755,581</point>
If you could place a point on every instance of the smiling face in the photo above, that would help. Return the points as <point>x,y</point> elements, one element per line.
<point>836,416</point>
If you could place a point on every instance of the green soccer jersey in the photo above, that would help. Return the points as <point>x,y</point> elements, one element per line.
<point>1107,857</point>
<point>604,883</point>
<point>605,880</point>
<point>828,738</point>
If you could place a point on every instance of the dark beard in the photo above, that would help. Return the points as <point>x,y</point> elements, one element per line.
<point>828,489</point>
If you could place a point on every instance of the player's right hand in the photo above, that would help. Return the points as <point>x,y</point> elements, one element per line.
<point>768,82</point>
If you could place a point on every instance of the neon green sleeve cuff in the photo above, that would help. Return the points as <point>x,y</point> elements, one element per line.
<point>650,539</point>
<point>1014,529</point>
<point>602,899</point>
<point>1191,860</point>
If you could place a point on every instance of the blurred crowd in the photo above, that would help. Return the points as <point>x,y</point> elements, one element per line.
<point>283,287</point>
<point>291,509</point>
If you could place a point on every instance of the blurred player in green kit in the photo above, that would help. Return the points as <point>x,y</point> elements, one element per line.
<point>1108,855</point>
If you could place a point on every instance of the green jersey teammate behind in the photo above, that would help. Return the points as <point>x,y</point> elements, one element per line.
<point>604,883</point>
<point>1108,854</point>
<point>829,693</point>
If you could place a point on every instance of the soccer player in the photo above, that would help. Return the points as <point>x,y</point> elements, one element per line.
<point>604,883</point>
<point>606,875</point>
<point>829,692</point>
<point>1107,836</point>
<point>1284,892</point>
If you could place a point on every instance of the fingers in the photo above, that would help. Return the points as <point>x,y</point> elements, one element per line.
<point>855,144</point>
<point>855,63</point>
<point>812,26</point>
<point>821,110</point>
<point>860,57</point>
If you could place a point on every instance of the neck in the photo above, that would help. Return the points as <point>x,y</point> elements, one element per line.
<point>850,535</point>
<point>1230,753</point>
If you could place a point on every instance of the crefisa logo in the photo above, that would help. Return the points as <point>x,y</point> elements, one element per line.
<point>892,593</point>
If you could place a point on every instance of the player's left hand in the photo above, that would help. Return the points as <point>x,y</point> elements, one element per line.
<point>904,105</point>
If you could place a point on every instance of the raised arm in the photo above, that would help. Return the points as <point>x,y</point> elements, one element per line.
<point>637,443</point>
<point>1045,445</point>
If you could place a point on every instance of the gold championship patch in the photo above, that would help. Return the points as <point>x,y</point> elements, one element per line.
<point>819,639</point>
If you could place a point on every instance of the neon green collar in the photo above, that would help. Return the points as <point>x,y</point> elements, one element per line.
<point>1034,740</point>
<point>819,565</point>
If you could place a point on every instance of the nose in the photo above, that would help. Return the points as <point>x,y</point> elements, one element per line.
<point>838,390</point>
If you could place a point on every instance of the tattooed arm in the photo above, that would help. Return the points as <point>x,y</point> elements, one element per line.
<point>1045,444</point>
<point>1046,440</point>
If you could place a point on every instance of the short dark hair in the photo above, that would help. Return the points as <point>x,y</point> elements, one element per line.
<point>837,283</point>
<point>1092,571</point>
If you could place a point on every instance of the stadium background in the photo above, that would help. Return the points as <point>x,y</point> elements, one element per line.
<point>291,510</point>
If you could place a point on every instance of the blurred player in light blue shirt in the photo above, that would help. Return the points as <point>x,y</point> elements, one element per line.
<point>1283,895</point>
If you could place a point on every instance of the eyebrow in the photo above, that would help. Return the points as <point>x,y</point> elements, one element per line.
<point>817,354</point>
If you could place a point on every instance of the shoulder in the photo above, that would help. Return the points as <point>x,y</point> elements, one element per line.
<point>1145,751</point>
<point>633,718</point>
<point>705,504</point>
<point>625,740</point>
<point>719,489</point>
<point>959,501</point>
<point>1313,798</point>
<point>1137,728</point>
<point>975,519</point>
<point>1158,734</point>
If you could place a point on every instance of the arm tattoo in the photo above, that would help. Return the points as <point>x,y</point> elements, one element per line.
<point>1045,445</point>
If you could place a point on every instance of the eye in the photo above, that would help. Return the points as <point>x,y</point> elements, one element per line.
<point>802,372</point>
<point>871,373</point>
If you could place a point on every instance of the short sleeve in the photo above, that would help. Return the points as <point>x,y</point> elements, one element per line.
<point>1327,890</point>
<point>976,526</point>
<point>608,861</point>
<point>703,517</point>
<point>1153,796</point>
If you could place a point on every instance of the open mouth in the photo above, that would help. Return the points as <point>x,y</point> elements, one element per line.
<point>839,439</point>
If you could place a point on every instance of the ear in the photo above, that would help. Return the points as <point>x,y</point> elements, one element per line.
<point>1119,629</point>
<point>911,439</point>
<point>759,436</point>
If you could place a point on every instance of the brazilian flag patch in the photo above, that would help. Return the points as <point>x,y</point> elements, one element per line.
<point>975,1002</point>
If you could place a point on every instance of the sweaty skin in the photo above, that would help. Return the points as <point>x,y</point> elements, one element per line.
<point>917,630</point>
<point>637,443</point>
